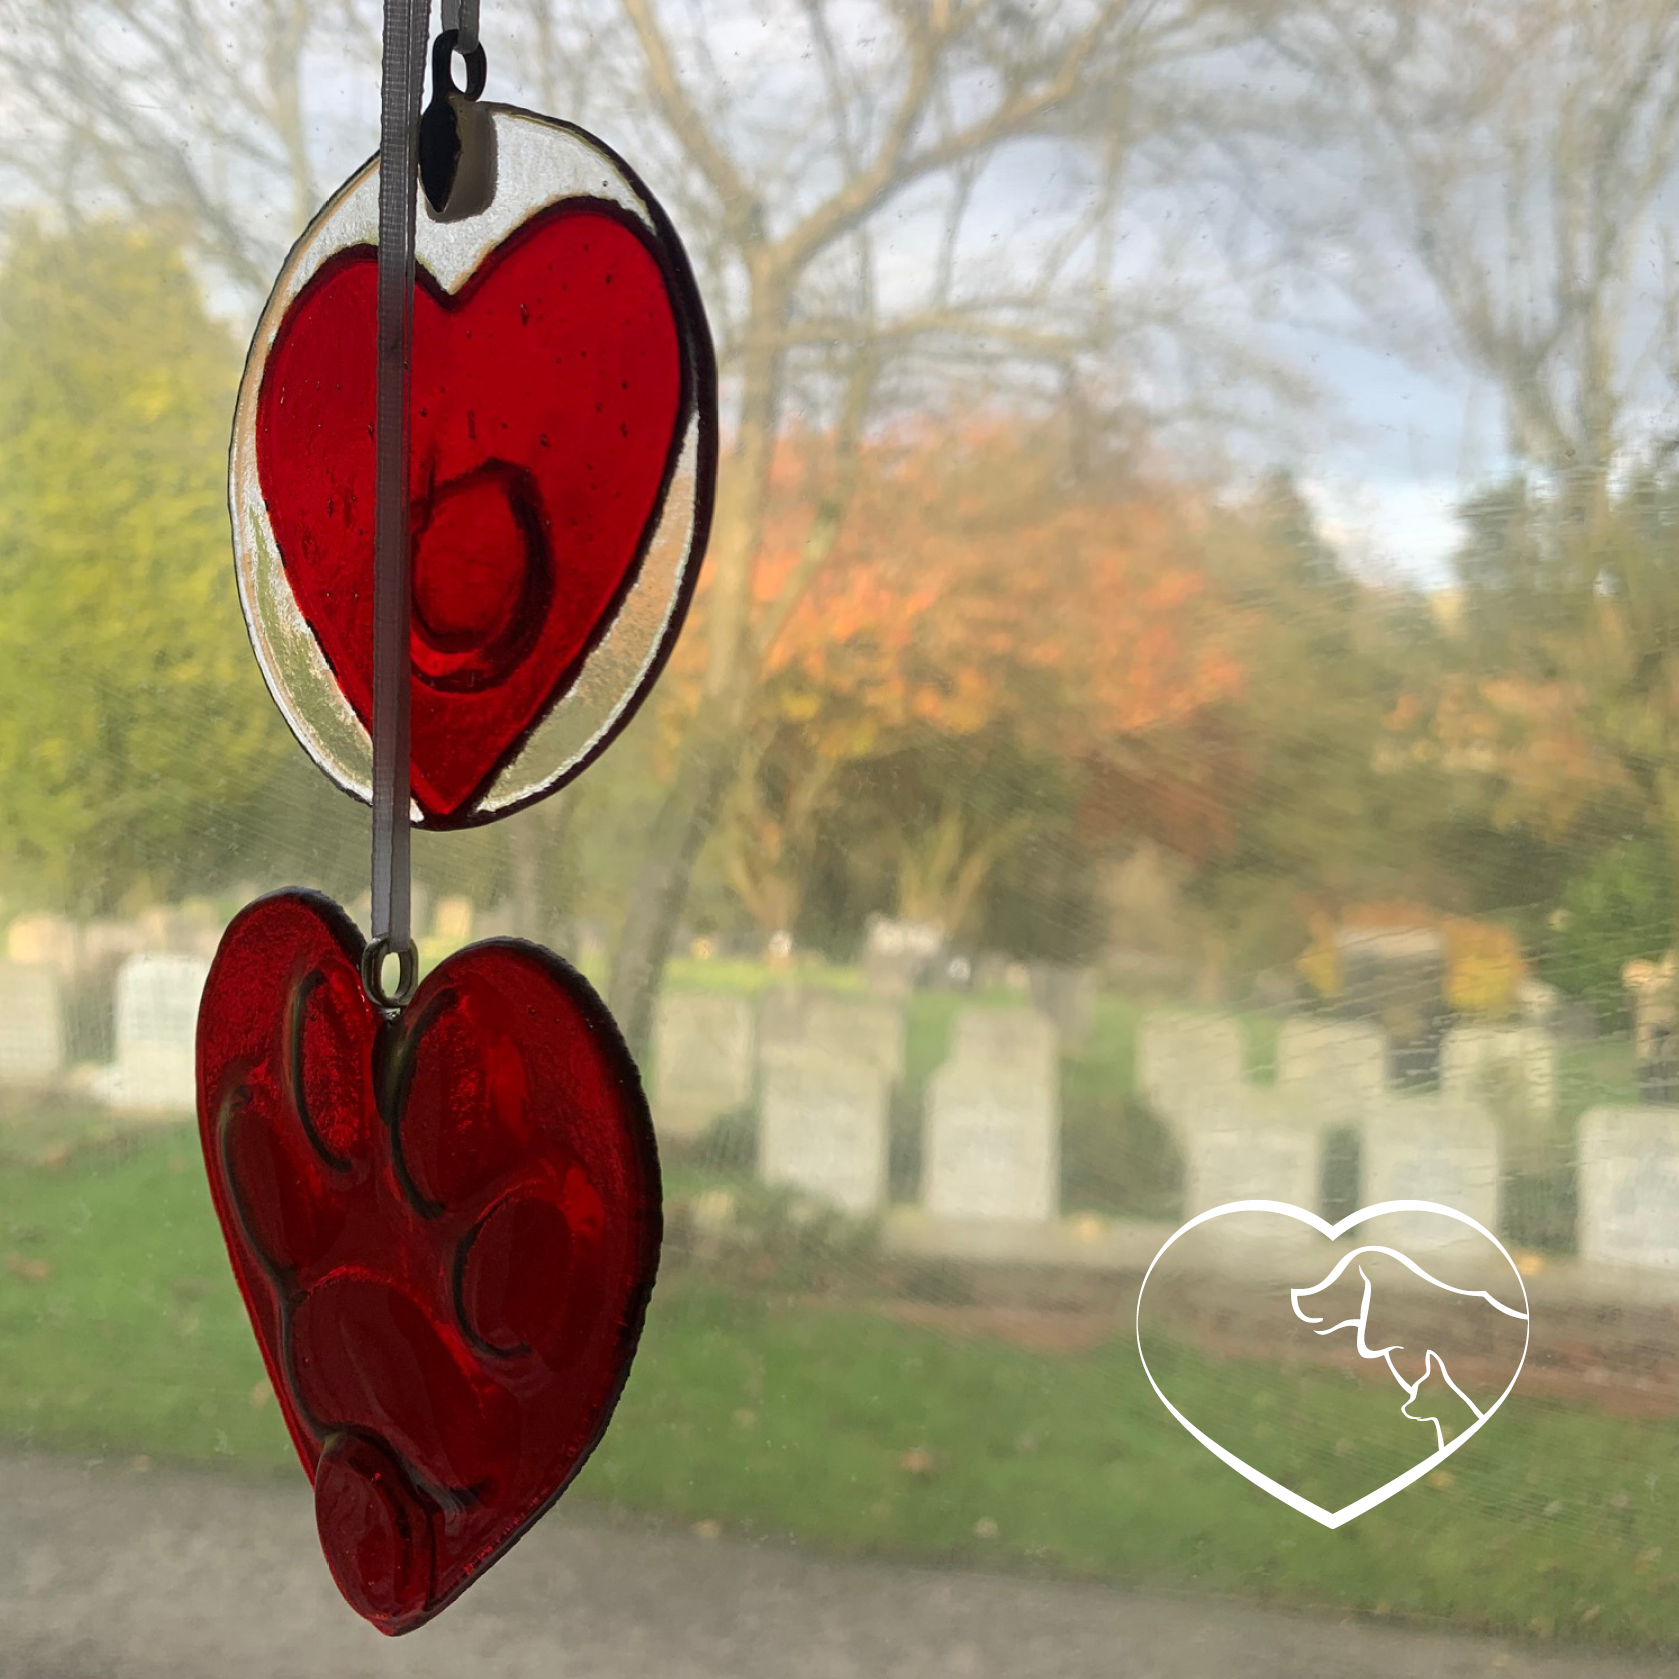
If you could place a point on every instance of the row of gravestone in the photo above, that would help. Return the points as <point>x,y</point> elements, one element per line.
<point>79,949</point>
<point>820,1069</point>
<point>155,1007</point>
<point>1336,1070</point>
<point>1241,1141</point>
<point>1446,1150</point>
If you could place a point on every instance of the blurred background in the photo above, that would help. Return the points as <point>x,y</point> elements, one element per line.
<point>1183,703</point>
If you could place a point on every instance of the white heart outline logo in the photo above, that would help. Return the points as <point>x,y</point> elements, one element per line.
<point>1335,1518</point>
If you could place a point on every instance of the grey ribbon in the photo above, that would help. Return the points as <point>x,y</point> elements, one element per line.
<point>462,15</point>
<point>402,76</point>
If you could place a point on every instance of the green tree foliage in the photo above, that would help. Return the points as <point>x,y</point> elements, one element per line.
<point>1570,640</point>
<point>133,722</point>
<point>1312,803</point>
<point>1620,907</point>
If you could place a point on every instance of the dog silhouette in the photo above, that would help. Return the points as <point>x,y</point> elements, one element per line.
<point>1358,1295</point>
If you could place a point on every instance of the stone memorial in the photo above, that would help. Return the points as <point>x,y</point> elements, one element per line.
<point>1066,996</point>
<point>1443,1149</point>
<point>1335,1070</point>
<point>1014,1037</point>
<point>45,940</point>
<point>822,1126</point>
<point>190,929</point>
<point>500,921</point>
<point>106,945</point>
<point>992,1140</point>
<point>1652,990</point>
<point>451,922</point>
<point>839,1023</point>
<point>704,1055</point>
<point>899,955</point>
<point>1253,1149</point>
<point>1629,1187</point>
<point>31,1024</point>
<point>1189,1066</point>
<point>1500,1066</point>
<point>157,997</point>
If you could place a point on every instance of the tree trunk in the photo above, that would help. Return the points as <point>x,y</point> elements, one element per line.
<point>679,831</point>
<point>715,739</point>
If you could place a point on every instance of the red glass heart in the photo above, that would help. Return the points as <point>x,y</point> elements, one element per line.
<point>549,397</point>
<point>445,1227</point>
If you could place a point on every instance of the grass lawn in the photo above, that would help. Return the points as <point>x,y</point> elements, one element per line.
<point>121,1334</point>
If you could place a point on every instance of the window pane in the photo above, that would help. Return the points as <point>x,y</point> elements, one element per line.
<point>1180,708</point>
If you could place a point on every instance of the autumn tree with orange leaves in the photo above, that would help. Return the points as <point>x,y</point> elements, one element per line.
<point>988,606</point>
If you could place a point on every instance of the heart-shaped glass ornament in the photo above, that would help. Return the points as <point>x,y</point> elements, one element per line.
<point>445,1223</point>
<point>561,461</point>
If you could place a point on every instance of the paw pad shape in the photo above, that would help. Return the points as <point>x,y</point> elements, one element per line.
<point>445,1227</point>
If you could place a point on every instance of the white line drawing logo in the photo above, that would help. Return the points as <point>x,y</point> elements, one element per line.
<point>1432,1397</point>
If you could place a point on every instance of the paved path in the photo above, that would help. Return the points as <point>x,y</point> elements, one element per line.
<point>109,1573</point>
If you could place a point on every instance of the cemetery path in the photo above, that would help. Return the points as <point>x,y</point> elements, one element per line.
<point>110,1572</point>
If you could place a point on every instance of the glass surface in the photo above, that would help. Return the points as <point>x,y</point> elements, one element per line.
<point>445,1228</point>
<point>560,472</point>
<point>1181,704</point>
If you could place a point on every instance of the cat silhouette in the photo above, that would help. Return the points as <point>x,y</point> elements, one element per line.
<point>1437,1399</point>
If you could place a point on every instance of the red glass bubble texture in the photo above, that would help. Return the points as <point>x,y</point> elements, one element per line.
<point>445,1226</point>
<point>551,393</point>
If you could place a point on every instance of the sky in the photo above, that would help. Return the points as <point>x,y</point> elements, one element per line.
<point>1398,452</point>
<point>1385,449</point>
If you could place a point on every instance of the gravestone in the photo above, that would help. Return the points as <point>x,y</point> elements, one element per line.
<point>500,921</point>
<point>1336,1070</point>
<point>1014,1037</point>
<point>992,1144</point>
<point>191,929</point>
<point>1498,1065</point>
<point>1652,989</point>
<point>704,1049</point>
<point>865,1028</point>
<point>49,940</point>
<point>157,999</point>
<point>419,904</point>
<point>822,1126</point>
<point>899,955</point>
<point>1067,997</point>
<point>1189,1066</point>
<point>1252,1149</point>
<point>31,1024</point>
<point>1396,976</point>
<point>451,922</point>
<point>1442,1149</point>
<point>1629,1187</point>
<point>106,945</point>
<point>1538,1002</point>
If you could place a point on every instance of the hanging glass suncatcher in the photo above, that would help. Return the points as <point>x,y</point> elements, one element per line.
<point>471,482</point>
